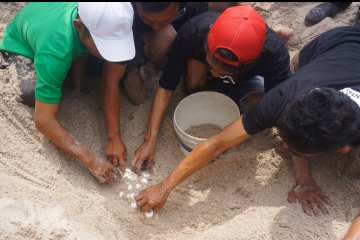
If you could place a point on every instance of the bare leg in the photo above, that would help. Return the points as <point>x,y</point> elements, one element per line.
<point>285,34</point>
<point>134,86</point>
<point>294,63</point>
<point>158,44</point>
<point>195,76</point>
<point>78,72</point>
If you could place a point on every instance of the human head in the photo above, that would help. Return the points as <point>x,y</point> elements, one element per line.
<point>106,29</point>
<point>157,14</point>
<point>235,39</point>
<point>321,120</point>
<point>85,38</point>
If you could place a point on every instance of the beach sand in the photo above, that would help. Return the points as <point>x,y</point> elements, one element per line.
<point>46,194</point>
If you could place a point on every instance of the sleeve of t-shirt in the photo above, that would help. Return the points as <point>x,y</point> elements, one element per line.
<point>180,53</point>
<point>266,112</point>
<point>50,71</point>
<point>276,68</point>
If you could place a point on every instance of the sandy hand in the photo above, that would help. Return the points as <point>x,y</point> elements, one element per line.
<point>116,152</point>
<point>153,197</point>
<point>103,170</point>
<point>145,152</point>
<point>311,198</point>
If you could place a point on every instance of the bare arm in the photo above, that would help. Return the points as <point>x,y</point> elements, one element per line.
<point>354,231</point>
<point>302,170</point>
<point>47,124</point>
<point>155,196</point>
<point>229,137</point>
<point>147,150</point>
<point>112,73</point>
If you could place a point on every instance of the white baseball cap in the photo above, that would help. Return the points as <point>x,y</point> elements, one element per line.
<point>110,25</point>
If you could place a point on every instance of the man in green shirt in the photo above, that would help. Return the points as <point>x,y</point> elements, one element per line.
<point>54,36</point>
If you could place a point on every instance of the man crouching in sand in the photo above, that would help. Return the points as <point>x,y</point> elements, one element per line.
<point>316,111</point>
<point>53,36</point>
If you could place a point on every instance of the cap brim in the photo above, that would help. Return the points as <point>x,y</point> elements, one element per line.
<point>115,50</point>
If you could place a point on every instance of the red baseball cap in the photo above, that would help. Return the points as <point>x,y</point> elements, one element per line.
<point>240,30</point>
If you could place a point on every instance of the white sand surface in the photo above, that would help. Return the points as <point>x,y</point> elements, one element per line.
<point>46,194</point>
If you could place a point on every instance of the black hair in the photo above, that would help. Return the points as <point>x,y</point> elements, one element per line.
<point>154,6</point>
<point>321,120</point>
<point>223,52</point>
<point>227,54</point>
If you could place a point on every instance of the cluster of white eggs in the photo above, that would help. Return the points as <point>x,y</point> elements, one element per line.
<point>134,184</point>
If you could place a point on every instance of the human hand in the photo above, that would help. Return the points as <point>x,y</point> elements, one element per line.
<point>103,170</point>
<point>145,152</point>
<point>116,152</point>
<point>311,198</point>
<point>153,197</point>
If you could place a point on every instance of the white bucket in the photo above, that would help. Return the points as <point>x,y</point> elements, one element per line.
<point>200,108</point>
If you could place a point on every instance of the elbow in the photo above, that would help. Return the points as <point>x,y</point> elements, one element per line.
<point>215,145</point>
<point>40,123</point>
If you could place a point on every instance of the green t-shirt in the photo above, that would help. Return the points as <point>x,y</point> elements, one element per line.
<point>44,32</point>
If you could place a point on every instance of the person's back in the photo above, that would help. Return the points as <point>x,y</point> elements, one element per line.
<point>319,95</point>
<point>331,60</point>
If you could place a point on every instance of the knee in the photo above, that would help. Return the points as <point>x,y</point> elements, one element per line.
<point>27,89</point>
<point>195,76</point>
<point>134,87</point>
<point>194,84</point>
<point>158,44</point>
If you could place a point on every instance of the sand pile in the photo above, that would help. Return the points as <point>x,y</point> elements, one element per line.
<point>46,194</point>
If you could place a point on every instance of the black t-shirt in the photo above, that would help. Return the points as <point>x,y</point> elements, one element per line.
<point>187,10</point>
<point>331,60</point>
<point>190,43</point>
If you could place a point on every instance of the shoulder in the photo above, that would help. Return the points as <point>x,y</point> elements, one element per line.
<point>201,22</point>
<point>274,46</point>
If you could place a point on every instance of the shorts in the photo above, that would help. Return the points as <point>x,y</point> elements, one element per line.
<point>94,66</point>
<point>238,91</point>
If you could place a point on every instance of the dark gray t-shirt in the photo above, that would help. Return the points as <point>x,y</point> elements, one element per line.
<point>331,60</point>
<point>190,43</point>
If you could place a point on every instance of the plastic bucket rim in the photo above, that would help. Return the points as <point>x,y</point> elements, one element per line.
<point>176,125</point>
<point>186,134</point>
